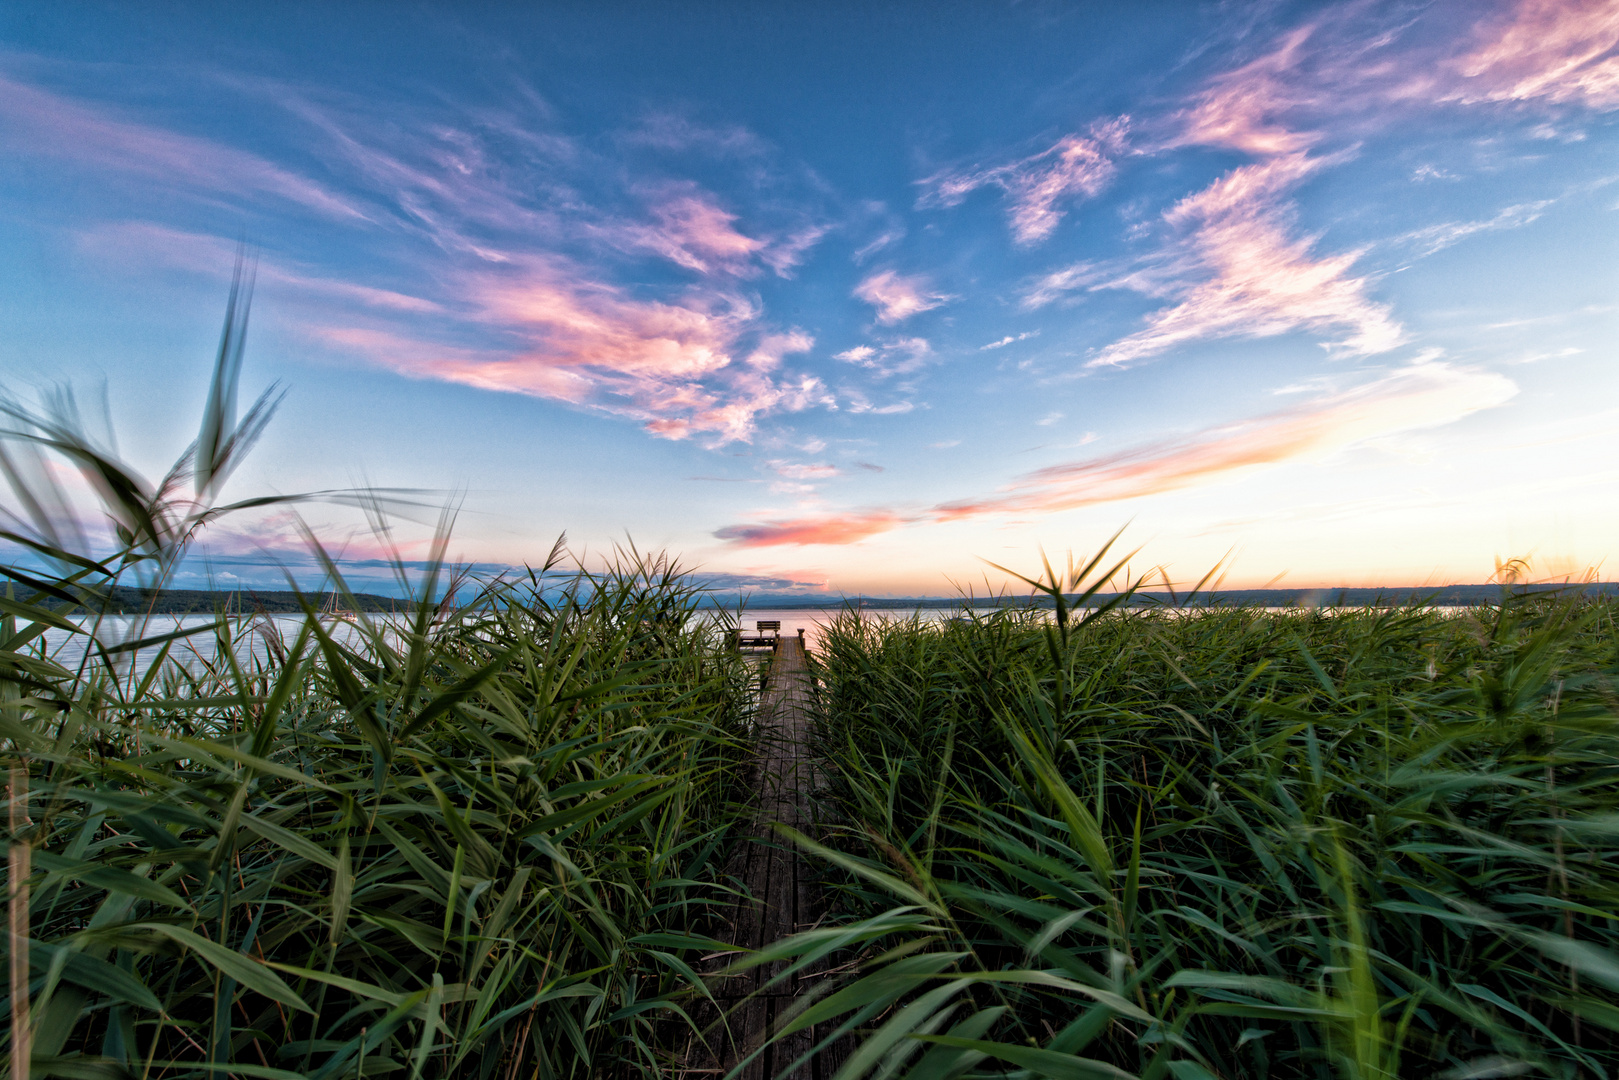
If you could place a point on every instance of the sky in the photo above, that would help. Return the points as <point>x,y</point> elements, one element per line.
<point>835,299</point>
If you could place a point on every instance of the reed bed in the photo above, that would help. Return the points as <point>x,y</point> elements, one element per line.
<point>478,846</point>
<point>482,838</point>
<point>1226,842</point>
<point>486,838</point>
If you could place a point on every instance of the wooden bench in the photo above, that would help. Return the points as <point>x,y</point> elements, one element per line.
<point>760,640</point>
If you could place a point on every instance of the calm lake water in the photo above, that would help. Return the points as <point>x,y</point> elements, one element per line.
<point>199,650</point>
<point>68,649</point>
<point>814,619</point>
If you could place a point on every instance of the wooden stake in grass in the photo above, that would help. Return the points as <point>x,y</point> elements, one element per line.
<point>17,923</point>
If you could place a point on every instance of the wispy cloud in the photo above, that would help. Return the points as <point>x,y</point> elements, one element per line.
<point>889,236</point>
<point>901,356</point>
<point>1409,399</point>
<point>1054,286</point>
<point>1262,281</point>
<point>687,226</point>
<point>1559,51</point>
<point>1240,109</point>
<point>795,470</point>
<point>424,358</point>
<point>1233,263</point>
<point>683,134</point>
<point>1413,398</point>
<point>691,231</point>
<point>145,244</point>
<point>1425,173</point>
<point>673,365</point>
<point>805,582</point>
<point>897,297</point>
<point>784,253</point>
<point>858,403</point>
<point>537,287</point>
<point>1009,339</point>
<point>36,121</point>
<point>827,529</point>
<point>1075,167</point>
<point>1435,238</point>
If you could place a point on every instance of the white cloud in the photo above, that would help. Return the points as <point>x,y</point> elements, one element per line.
<point>1075,167</point>
<point>1009,339</point>
<point>897,297</point>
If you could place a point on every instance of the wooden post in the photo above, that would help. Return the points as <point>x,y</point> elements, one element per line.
<point>19,863</point>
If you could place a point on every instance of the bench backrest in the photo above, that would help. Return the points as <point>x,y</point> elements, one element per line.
<point>768,624</point>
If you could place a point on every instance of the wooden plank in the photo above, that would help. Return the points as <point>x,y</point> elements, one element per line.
<point>786,897</point>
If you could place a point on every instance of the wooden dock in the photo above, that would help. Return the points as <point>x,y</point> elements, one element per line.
<point>786,897</point>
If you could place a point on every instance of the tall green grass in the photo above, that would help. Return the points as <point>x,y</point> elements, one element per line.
<point>479,839</point>
<point>478,846</point>
<point>1225,842</point>
<point>485,839</point>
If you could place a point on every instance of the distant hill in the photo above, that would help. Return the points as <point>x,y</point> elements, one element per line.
<point>127,601</point>
<point>1445,596</point>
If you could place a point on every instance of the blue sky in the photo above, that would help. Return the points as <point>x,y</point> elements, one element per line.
<point>830,299</point>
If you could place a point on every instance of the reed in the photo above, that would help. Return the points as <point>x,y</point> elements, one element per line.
<point>486,838</point>
<point>1224,842</point>
<point>478,839</point>
<point>474,846</point>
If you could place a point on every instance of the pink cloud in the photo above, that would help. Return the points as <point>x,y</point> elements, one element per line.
<point>448,178</point>
<point>691,231</point>
<point>281,537</point>
<point>898,297</point>
<point>1260,280</point>
<point>40,122</point>
<point>827,529</point>
<point>803,471</point>
<point>1239,108</point>
<point>1413,398</point>
<point>1560,51</point>
<point>592,325</point>
<point>768,354</point>
<point>145,244</point>
<point>423,359</point>
<point>671,365</point>
<point>1233,264</point>
<point>525,285</point>
<point>786,252</point>
<point>1075,167</point>
<point>685,362</point>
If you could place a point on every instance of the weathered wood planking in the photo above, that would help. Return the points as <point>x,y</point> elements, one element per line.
<point>786,895</point>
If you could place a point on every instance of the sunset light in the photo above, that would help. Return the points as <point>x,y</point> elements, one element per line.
<point>855,307</point>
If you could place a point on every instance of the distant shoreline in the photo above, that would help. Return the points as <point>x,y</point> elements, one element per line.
<point>128,601</point>
<point>1444,596</point>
